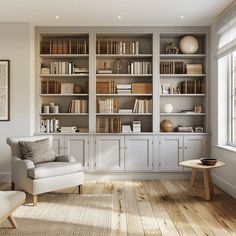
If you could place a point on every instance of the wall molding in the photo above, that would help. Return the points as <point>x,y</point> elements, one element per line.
<point>5,177</point>
<point>226,186</point>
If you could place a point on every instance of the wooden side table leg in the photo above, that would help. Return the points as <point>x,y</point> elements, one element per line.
<point>210,184</point>
<point>192,181</point>
<point>207,182</point>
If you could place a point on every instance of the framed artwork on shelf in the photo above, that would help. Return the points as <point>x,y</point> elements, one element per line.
<point>4,90</point>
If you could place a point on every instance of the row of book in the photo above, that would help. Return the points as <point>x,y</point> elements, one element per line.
<point>50,87</point>
<point>117,47</point>
<point>61,67</point>
<point>171,67</point>
<point>78,106</point>
<point>64,47</point>
<point>142,106</point>
<point>105,87</point>
<point>184,87</point>
<point>108,125</point>
<point>140,67</point>
<point>49,125</point>
<point>109,105</point>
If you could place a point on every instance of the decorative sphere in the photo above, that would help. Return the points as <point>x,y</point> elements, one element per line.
<point>168,108</point>
<point>188,44</point>
<point>166,126</point>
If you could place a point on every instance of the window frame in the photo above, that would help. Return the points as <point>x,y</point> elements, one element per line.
<point>231,98</point>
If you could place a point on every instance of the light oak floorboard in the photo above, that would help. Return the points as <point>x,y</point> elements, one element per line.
<point>162,208</point>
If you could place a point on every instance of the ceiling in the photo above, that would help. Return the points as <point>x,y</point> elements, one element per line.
<point>106,12</point>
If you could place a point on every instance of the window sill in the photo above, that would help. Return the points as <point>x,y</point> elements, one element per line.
<point>226,147</point>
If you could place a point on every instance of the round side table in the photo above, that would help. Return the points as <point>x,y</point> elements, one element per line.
<point>208,191</point>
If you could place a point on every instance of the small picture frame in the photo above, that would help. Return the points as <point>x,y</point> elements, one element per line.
<point>4,90</point>
<point>126,129</point>
<point>67,88</point>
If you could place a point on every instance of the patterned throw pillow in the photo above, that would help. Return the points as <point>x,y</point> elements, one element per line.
<point>38,151</point>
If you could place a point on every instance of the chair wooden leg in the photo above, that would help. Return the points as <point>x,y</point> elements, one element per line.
<point>80,188</point>
<point>12,186</point>
<point>11,219</point>
<point>34,200</point>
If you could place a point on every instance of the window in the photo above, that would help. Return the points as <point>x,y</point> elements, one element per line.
<point>232,98</point>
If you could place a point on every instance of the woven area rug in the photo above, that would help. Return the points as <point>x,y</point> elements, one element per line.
<point>63,214</point>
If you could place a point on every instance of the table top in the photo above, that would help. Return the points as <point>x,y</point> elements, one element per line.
<point>198,164</point>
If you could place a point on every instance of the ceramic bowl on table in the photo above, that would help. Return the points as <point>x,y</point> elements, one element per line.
<point>208,161</point>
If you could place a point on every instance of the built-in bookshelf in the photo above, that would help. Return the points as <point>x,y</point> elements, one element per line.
<point>124,81</point>
<point>183,82</point>
<point>63,81</point>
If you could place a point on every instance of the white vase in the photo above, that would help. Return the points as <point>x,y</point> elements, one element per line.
<point>188,44</point>
<point>168,108</point>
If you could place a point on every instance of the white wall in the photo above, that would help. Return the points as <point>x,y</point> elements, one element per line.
<point>224,177</point>
<point>17,45</point>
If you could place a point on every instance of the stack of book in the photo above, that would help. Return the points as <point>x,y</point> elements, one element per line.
<point>139,67</point>
<point>108,125</point>
<point>171,67</point>
<point>78,106</point>
<point>185,129</point>
<point>117,47</point>
<point>142,106</point>
<point>109,105</point>
<point>123,88</point>
<point>105,87</point>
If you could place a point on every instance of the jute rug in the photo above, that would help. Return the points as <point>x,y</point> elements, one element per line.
<point>63,214</point>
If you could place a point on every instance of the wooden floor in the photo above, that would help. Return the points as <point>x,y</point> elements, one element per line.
<point>164,208</point>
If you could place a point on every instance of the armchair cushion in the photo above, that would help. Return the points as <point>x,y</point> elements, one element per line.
<point>65,158</point>
<point>50,169</point>
<point>38,151</point>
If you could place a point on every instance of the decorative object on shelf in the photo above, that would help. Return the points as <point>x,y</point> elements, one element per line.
<point>118,65</point>
<point>198,129</point>
<point>166,126</point>
<point>136,126</point>
<point>171,48</point>
<point>67,88</point>
<point>105,69</point>
<point>126,129</point>
<point>198,109</point>
<point>4,90</point>
<point>45,70</point>
<point>168,108</point>
<point>188,44</point>
<point>46,109</point>
<point>77,88</point>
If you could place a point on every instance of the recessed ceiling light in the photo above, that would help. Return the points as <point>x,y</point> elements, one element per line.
<point>57,17</point>
<point>119,17</point>
<point>181,17</point>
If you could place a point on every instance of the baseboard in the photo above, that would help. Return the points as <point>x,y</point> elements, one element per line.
<point>136,176</point>
<point>226,186</point>
<point>5,177</point>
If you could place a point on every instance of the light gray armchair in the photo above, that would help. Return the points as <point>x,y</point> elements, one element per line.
<point>44,177</point>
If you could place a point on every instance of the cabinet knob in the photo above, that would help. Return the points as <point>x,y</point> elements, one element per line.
<point>185,147</point>
<point>180,147</point>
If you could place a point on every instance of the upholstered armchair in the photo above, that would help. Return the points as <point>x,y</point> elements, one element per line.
<point>62,172</point>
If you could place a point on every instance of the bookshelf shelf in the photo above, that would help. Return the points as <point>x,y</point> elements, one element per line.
<point>65,95</point>
<point>123,56</point>
<point>51,56</point>
<point>182,114</point>
<point>181,56</point>
<point>181,75</point>
<point>124,75</point>
<point>183,95</point>
<point>63,75</point>
<point>124,95</point>
<point>122,114</point>
<point>64,114</point>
